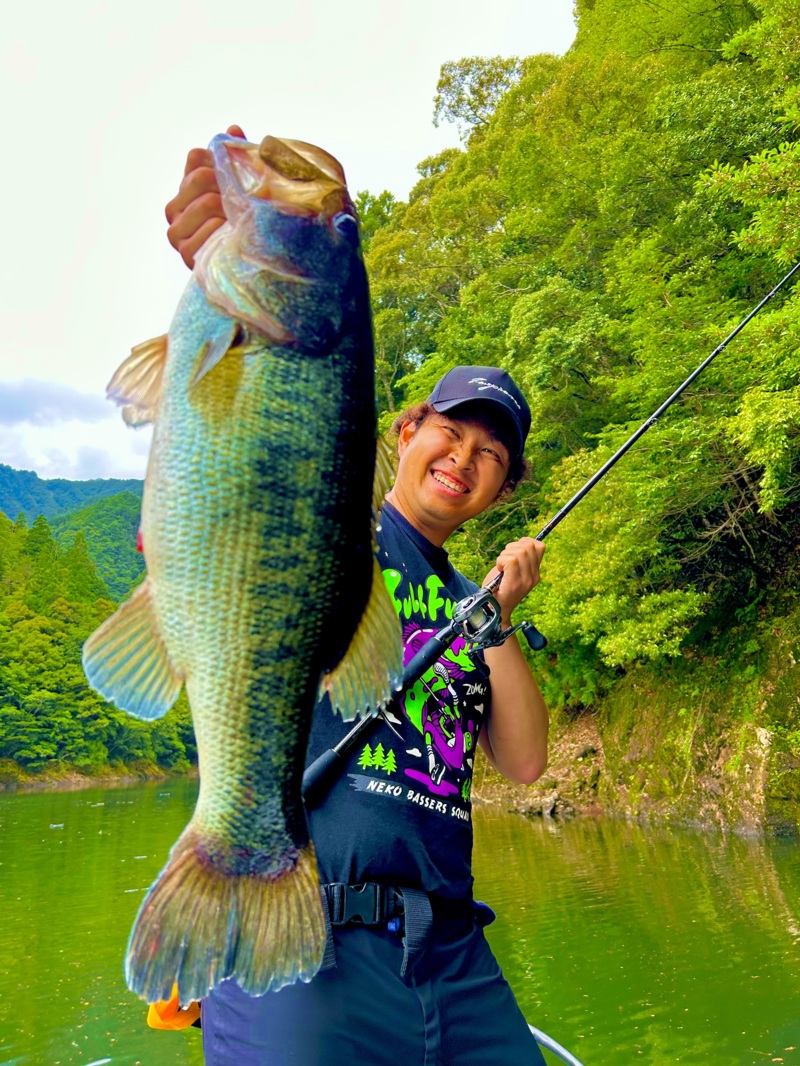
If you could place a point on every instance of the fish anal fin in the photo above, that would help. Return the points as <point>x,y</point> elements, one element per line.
<point>371,668</point>
<point>126,661</point>
<point>136,385</point>
<point>201,924</point>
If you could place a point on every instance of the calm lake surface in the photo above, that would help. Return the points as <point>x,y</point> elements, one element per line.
<point>626,944</point>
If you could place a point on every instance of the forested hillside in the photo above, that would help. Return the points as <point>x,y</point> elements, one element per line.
<point>24,492</point>
<point>51,599</point>
<point>611,216</point>
<point>109,528</point>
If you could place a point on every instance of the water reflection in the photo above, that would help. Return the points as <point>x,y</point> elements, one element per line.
<point>672,945</point>
<point>73,870</point>
<point>624,943</point>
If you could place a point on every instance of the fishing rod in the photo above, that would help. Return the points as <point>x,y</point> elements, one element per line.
<point>477,617</point>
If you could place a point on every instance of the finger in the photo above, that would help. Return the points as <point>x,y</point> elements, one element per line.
<point>522,568</point>
<point>198,157</point>
<point>189,247</point>
<point>197,183</point>
<point>205,209</point>
<point>519,571</point>
<point>525,548</point>
<point>236,131</point>
<point>491,576</point>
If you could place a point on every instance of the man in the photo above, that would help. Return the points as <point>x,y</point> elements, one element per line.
<point>408,977</point>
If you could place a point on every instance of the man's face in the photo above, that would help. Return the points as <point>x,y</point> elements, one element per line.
<point>450,470</point>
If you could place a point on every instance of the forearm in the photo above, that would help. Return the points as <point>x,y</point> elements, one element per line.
<point>515,738</point>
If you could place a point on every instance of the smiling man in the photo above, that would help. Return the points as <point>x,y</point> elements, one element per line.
<point>408,976</point>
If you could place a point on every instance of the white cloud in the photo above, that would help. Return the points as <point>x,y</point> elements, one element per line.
<point>77,450</point>
<point>115,95</point>
<point>44,403</point>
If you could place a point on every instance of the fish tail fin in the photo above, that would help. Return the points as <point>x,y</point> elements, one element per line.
<point>371,669</point>
<point>200,924</point>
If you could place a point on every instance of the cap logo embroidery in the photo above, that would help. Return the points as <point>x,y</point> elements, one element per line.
<point>482,384</point>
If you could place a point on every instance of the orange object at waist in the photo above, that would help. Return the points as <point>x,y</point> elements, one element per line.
<point>168,1013</point>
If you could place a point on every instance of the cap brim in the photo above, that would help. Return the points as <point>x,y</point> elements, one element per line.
<point>443,406</point>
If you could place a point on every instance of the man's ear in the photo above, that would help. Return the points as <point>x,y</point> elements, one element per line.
<point>407,431</point>
<point>504,492</point>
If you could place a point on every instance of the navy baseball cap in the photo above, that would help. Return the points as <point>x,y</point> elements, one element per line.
<point>484,384</point>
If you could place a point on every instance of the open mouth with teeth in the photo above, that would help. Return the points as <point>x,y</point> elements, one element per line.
<point>449,482</point>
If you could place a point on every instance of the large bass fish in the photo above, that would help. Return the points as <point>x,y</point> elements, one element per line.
<point>261,583</point>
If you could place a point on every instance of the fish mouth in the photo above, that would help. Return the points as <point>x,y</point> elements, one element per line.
<point>295,177</point>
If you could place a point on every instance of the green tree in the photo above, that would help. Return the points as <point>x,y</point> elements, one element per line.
<point>469,90</point>
<point>365,760</point>
<point>390,762</point>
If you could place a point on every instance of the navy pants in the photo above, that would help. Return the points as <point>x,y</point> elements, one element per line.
<point>452,1008</point>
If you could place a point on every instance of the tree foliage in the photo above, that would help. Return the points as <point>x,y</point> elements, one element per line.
<point>24,491</point>
<point>51,599</point>
<point>108,529</point>
<point>612,215</point>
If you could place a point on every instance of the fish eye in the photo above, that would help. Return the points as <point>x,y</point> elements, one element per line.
<point>346,224</point>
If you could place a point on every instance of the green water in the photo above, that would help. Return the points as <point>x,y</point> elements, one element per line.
<point>626,944</point>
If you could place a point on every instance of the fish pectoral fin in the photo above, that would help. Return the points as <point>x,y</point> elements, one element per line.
<point>213,351</point>
<point>126,661</point>
<point>136,385</point>
<point>370,671</point>
<point>384,474</point>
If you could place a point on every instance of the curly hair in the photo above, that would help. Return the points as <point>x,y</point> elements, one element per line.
<point>482,413</point>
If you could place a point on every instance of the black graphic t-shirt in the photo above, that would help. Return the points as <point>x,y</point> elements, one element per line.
<point>400,812</point>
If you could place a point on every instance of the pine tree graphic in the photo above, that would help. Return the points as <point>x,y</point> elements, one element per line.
<point>366,758</point>
<point>378,756</point>
<point>390,763</point>
<point>466,789</point>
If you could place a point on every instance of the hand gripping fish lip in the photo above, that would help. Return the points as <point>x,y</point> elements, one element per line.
<point>295,177</point>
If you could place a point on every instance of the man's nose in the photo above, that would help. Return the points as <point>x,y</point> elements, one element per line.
<point>461,455</point>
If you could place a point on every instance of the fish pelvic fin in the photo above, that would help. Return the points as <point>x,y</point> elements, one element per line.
<point>200,925</point>
<point>125,660</point>
<point>136,385</point>
<point>370,671</point>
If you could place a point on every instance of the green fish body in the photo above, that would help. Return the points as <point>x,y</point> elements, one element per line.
<point>261,581</point>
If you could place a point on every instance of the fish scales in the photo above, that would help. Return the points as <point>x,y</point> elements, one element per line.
<point>261,577</point>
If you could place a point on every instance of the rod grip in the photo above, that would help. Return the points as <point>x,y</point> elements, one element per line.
<point>319,776</point>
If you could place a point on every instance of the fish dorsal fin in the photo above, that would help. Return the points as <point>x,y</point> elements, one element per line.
<point>126,662</point>
<point>370,671</point>
<point>136,385</point>
<point>384,474</point>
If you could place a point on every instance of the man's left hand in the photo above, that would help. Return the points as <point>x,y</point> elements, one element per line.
<point>519,563</point>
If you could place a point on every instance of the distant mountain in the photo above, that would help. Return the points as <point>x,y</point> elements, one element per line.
<point>23,490</point>
<point>109,527</point>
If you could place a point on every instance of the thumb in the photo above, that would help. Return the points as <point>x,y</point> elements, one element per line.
<point>490,577</point>
<point>236,131</point>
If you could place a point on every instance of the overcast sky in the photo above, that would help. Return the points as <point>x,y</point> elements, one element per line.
<point>100,102</point>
